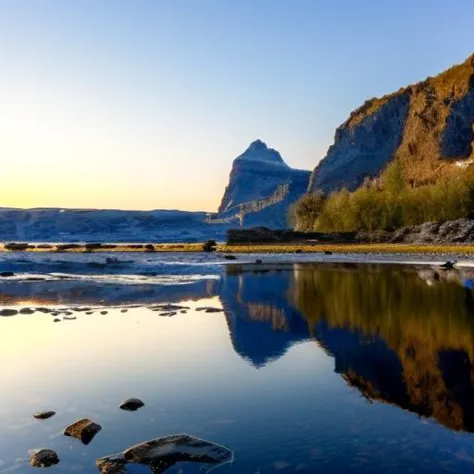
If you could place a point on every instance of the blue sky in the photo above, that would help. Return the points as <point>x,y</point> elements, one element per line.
<point>144,104</point>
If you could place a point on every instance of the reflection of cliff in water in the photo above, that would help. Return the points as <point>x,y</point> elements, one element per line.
<point>262,323</point>
<point>398,335</point>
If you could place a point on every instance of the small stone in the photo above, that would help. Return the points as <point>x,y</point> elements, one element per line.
<point>84,430</point>
<point>26,311</point>
<point>8,312</point>
<point>230,257</point>
<point>44,415</point>
<point>132,404</point>
<point>213,310</point>
<point>56,320</point>
<point>258,261</point>
<point>209,309</point>
<point>44,458</point>
<point>103,312</point>
<point>69,318</point>
<point>123,310</point>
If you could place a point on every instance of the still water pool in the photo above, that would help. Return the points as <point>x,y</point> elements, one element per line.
<point>308,369</point>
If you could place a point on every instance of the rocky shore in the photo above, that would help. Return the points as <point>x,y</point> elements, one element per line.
<point>460,231</point>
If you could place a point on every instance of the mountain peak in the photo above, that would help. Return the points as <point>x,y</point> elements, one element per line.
<point>258,151</point>
<point>257,145</point>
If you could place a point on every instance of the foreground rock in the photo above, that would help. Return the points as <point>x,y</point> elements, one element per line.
<point>84,430</point>
<point>44,458</point>
<point>162,453</point>
<point>44,415</point>
<point>112,465</point>
<point>132,404</point>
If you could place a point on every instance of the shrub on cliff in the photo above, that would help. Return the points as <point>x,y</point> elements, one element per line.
<point>304,213</point>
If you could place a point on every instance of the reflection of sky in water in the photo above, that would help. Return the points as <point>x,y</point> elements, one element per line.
<point>292,414</point>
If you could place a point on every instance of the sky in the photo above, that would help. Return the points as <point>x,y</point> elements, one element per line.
<point>144,104</point>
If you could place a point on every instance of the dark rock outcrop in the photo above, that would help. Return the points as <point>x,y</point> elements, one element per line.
<point>459,231</point>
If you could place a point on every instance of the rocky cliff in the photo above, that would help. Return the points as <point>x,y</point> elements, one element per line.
<point>428,127</point>
<point>261,186</point>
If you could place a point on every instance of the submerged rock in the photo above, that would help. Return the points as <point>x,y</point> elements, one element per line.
<point>112,465</point>
<point>44,458</point>
<point>132,404</point>
<point>162,453</point>
<point>230,257</point>
<point>44,415</point>
<point>84,430</point>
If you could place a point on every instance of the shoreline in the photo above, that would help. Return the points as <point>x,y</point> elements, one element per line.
<point>278,248</point>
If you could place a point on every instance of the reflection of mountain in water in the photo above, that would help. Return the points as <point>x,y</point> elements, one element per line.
<point>107,292</point>
<point>396,335</point>
<point>262,323</point>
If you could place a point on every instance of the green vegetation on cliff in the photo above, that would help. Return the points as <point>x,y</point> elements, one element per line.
<point>387,203</point>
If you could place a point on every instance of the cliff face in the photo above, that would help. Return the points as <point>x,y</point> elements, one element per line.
<point>256,175</point>
<point>427,126</point>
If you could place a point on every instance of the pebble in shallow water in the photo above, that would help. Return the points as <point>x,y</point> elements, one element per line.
<point>44,415</point>
<point>44,458</point>
<point>132,404</point>
<point>209,309</point>
<point>84,430</point>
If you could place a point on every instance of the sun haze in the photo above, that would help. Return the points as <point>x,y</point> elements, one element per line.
<point>144,105</point>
